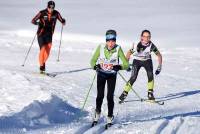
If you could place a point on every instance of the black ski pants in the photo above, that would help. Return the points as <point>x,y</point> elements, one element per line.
<point>101,82</point>
<point>148,66</point>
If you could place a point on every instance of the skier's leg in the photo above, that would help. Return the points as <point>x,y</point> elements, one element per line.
<point>48,42</point>
<point>149,69</point>
<point>148,65</point>
<point>47,51</point>
<point>41,56</point>
<point>135,69</point>
<point>111,82</point>
<point>101,81</point>
<point>41,42</point>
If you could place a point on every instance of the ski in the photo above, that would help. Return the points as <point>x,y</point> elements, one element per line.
<point>154,101</point>
<point>45,74</point>
<point>94,123</point>
<point>144,100</point>
<point>51,74</point>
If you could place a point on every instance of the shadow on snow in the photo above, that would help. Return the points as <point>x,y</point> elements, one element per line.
<point>172,96</point>
<point>42,114</point>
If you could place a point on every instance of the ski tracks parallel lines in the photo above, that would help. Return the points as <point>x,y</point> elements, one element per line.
<point>87,129</point>
<point>162,126</point>
<point>98,129</point>
<point>178,126</point>
<point>171,125</point>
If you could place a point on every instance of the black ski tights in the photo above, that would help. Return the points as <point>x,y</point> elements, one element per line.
<point>101,82</point>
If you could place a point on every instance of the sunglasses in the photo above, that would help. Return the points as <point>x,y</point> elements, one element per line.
<point>51,7</point>
<point>146,36</point>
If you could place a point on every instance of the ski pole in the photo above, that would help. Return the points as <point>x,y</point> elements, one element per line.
<point>60,44</point>
<point>131,87</point>
<point>29,50</point>
<point>88,92</point>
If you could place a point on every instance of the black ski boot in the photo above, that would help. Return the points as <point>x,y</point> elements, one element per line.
<point>123,96</point>
<point>150,95</point>
<point>42,69</point>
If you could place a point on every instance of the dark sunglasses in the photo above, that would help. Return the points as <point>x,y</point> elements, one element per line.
<point>51,7</point>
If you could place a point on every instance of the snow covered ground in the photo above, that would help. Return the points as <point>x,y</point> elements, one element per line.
<point>31,103</point>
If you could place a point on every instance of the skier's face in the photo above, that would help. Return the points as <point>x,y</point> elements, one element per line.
<point>145,38</point>
<point>110,44</point>
<point>50,8</point>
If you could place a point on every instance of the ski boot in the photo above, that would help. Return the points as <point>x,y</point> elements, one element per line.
<point>42,69</point>
<point>150,95</point>
<point>109,122</point>
<point>96,118</point>
<point>123,96</point>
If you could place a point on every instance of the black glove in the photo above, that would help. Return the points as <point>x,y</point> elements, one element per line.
<point>35,22</point>
<point>63,21</point>
<point>38,23</point>
<point>158,70</point>
<point>97,67</point>
<point>129,69</point>
<point>117,67</point>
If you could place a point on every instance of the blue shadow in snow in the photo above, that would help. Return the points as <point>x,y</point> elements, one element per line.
<point>42,114</point>
<point>169,117</point>
<point>172,96</point>
<point>178,95</point>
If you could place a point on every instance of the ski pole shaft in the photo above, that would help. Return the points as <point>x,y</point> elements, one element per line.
<point>131,87</point>
<point>88,92</point>
<point>60,44</point>
<point>29,50</point>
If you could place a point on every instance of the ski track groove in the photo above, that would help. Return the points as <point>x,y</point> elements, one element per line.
<point>98,129</point>
<point>87,129</point>
<point>178,127</point>
<point>83,129</point>
<point>162,126</point>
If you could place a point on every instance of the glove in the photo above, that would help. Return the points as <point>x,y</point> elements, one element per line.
<point>97,67</point>
<point>35,22</point>
<point>117,68</point>
<point>63,21</point>
<point>128,70</point>
<point>158,70</point>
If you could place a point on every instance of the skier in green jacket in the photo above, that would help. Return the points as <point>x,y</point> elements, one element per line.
<point>106,62</point>
<point>142,58</point>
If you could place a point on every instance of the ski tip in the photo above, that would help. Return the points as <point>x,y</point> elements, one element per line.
<point>162,103</point>
<point>108,125</point>
<point>121,102</point>
<point>94,124</point>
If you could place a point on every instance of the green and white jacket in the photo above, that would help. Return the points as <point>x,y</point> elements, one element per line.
<point>108,58</point>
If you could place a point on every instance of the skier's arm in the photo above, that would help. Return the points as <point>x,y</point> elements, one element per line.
<point>95,57</point>
<point>125,63</point>
<point>34,20</point>
<point>159,58</point>
<point>61,19</point>
<point>129,53</point>
<point>157,52</point>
